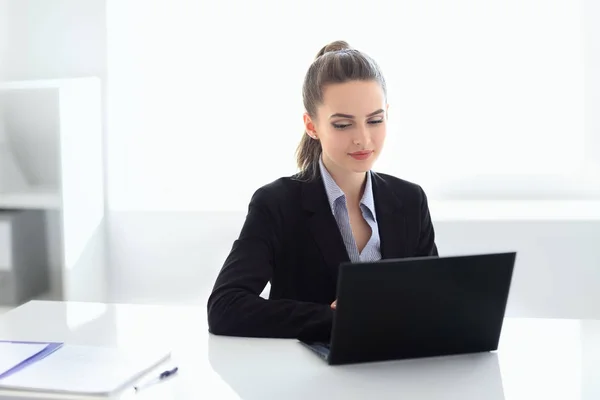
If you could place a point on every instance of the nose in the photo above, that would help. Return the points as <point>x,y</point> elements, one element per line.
<point>363,136</point>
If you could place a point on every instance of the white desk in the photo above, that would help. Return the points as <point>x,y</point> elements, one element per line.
<point>537,359</point>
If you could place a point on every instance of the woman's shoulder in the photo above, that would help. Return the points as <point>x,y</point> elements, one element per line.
<point>397,184</point>
<point>284,190</point>
<point>411,194</point>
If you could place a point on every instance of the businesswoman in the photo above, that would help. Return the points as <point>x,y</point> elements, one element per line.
<point>299,229</point>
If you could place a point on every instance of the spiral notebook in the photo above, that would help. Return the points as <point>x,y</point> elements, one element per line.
<point>81,370</point>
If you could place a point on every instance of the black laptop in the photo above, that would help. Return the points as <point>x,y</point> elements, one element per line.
<point>418,307</point>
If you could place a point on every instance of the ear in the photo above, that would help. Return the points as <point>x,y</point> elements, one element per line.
<point>309,126</point>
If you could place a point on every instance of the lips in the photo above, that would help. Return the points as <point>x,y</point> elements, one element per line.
<point>361,155</point>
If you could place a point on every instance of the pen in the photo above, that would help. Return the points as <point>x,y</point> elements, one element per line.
<point>162,376</point>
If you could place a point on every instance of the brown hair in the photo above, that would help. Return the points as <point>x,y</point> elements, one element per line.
<point>336,62</point>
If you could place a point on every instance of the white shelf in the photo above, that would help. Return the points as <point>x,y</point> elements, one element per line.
<point>54,131</point>
<point>43,83</point>
<point>32,198</point>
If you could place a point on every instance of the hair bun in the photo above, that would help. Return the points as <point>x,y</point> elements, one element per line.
<point>334,46</point>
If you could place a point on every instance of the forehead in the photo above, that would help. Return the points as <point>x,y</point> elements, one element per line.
<point>355,97</point>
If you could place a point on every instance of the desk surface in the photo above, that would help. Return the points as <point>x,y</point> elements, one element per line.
<point>537,358</point>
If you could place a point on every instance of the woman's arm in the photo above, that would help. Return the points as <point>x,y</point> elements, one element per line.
<point>427,246</point>
<point>235,307</point>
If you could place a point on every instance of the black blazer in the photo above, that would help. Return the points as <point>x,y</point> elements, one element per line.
<point>291,239</point>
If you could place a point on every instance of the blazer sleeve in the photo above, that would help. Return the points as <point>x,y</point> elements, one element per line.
<point>427,246</point>
<point>235,307</point>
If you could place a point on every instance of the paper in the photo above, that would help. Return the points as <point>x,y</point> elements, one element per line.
<point>13,354</point>
<point>85,370</point>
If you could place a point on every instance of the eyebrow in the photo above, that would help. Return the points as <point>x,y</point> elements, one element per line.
<point>339,115</point>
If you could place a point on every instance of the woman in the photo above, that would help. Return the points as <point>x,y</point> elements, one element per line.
<point>299,229</point>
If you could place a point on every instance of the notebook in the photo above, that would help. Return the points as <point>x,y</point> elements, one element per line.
<point>85,370</point>
<point>18,355</point>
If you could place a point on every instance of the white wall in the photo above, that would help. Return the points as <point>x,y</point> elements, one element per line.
<point>56,39</point>
<point>3,34</point>
<point>3,41</point>
<point>591,33</point>
<point>483,112</point>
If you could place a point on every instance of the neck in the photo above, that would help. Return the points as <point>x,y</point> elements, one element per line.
<point>351,183</point>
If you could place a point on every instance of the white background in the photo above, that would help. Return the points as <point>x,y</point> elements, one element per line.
<point>3,43</point>
<point>487,98</point>
<point>186,115</point>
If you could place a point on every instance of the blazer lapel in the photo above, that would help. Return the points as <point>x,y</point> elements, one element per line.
<point>323,226</point>
<point>390,219</point>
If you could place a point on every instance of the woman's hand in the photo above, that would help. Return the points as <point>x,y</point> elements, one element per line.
<point>334,304</point>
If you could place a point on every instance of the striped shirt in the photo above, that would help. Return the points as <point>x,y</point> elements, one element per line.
<point>337,201</point>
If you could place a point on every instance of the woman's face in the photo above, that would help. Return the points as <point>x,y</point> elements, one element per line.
<point>351,125</point>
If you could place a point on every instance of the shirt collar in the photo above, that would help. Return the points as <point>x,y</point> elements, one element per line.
<point>334,192</point>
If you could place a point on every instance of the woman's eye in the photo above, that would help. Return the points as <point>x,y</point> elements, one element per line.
<point>340,126</point>
<point>343,126</point>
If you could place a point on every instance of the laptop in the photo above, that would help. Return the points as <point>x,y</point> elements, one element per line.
<point>418,307</point>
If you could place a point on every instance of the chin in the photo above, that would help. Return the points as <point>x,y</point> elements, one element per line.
<point>360,167</point>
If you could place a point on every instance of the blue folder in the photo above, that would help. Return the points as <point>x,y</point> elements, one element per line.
<point>45,352</point>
